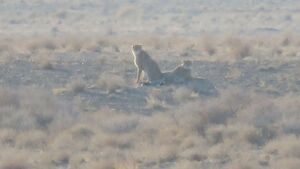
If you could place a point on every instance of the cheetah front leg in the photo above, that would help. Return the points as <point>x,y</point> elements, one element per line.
<point>139,72</point>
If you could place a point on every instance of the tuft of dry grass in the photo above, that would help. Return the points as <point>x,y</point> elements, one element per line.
<point>120,124</point>
<point>183,94</point>
<point>82,132</point>
<point>102,164</point>
<point>47,65</point>
<point>238,48</point>
<point>290,163</point>
<point>111,82</point>
<point>284,147</point>
<point>33,139</point>
<point>209,46</point>
<point>153,102</point>
<point>214,134</point>
<point>15,161</point>
<point>8,137</point>
<point>76,86</point>
<point>243,164</point>
<point>196,154</point>
<point>126,164</point>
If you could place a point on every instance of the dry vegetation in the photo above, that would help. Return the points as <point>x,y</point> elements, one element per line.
<point>42,50</point>
<point>66,128</point>
<point>195,133</point>
<point>68,98</point>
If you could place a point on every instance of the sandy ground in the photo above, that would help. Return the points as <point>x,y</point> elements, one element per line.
<point>68,98</point>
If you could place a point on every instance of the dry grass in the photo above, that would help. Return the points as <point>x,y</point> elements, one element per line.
<point>111,83</point>
<point>285,147</point>
<point>15,161</point>
<point>238,48</point>
<point>207,47</point>
<point>155,101</point>
<point>76,86</point>
<point>32,140</point>
<point>244,164</point>
<point>47,65</point>
<point>291,163</point>
<point>183,94</point>
<point>238,128</point>
<point>97,119</point>
<point>219,129</point>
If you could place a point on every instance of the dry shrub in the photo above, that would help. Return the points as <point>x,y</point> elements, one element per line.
<point>194,154</point>
<point>167,154</point>
<point>284,147</point>
<point>288,106</point>
<point>70,43</point>
<point>160,98</point>
<point>119,123</point>
<point>42,111</point>
<point>154,102</point>
<point>238,48</point>
<point>47,65</point>
<point>15,161</point>
<point>93,46</point>
<point>157,154</point>
<point>289,163</point>
<point>261,112</point>
<point>286,41</point>
<point>72,138</point>
<point>291,126</point>
<point>32,140</point>
<point>42,43</point>
<point>209,46</point>
<point>186,164</point>
<point>233,73</point>
<point>111,82</point>
<point>126,164</point>
<point>8,98</point>
<point>215,111</point>
<point>102,164</point>
<point>252,135</point>
<point>192,141</point>
<point>194,122</point>
<point>183,94</point>
<point>8,137</point>
<point>214,134</point>
<point>225,107</point>
<point>114,141</point>
<point>238,133</point>
<point>244,163</point>
<point>76,86</point>
<point>82,132</point>
<point>220,152</point>
<point>6,47</point>
<point>73,44</point>
<point>60,158</point>
<point>162,125</point>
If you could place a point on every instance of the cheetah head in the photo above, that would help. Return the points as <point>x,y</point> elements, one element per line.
<point>136,47</point>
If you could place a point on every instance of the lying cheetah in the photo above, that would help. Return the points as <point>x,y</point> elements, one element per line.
<point>180,74</point>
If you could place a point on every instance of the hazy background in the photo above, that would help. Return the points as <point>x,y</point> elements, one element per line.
<point>134,17</point>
